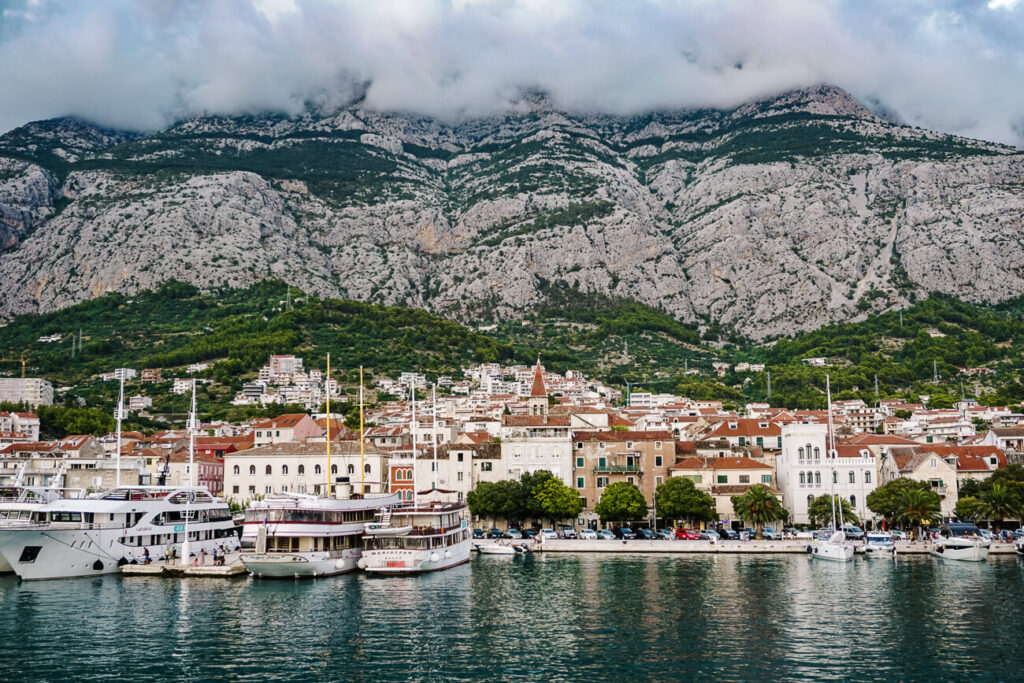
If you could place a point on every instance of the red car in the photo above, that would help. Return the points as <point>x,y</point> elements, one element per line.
<point>687,535</point>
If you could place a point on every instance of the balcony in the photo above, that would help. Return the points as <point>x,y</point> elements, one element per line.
<point>616,469</point>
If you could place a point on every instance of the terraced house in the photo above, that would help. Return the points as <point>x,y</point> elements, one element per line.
<point>601,458</point>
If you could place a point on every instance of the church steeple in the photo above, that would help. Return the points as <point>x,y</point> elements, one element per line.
<point>539,393</point>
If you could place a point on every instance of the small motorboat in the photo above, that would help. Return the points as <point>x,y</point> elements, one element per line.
<point>521,548</point>
<point>1019,546</point>
<point>960,541</point>
<point>879,544</point>
<point>494,549</point>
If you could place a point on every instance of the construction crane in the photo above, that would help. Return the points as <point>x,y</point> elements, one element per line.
<point>23,360</point>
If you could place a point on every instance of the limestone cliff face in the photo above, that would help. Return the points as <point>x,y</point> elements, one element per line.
<point>777,216</point>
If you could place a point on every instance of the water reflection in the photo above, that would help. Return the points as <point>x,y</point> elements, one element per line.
<point>534,617</point>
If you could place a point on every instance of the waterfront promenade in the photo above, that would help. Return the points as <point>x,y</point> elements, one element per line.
<point>564,545</point>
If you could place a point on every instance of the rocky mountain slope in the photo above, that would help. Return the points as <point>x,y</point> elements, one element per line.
<point>777,216</point>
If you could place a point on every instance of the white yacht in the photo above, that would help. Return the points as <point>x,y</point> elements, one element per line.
<point>97,535</point>
<point>879,544</point>
<point>961,541</point>
<point>17,504</point>
<point>835,548</point>
<point>420,537</point>
<point>290,535</point>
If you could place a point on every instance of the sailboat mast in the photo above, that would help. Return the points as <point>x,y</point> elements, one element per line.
<point>362,436</point>
<point>327,386</point>
<point>413,426</point>
<point>186,547</point>
<point>831,451</point>
<point>433,437</point>
<point>120,413</point>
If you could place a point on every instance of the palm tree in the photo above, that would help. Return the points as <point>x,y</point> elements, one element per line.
<point>914,506</point>
<point>820,510</point>
<point>998,504</point>
<point>758,505</point>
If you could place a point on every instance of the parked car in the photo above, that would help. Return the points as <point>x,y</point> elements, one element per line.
<point>770,534</point>
<point>665,534</point>
<point>853,532</point>
<point>986,534</point>
<point>513,533</point>
<point>730,534</point>
<point>900,535</point>
<point>647,535</point>
<point>789,532</point>
<point>606,535</point>
<point>567,531</point>
<point>529,534</point>
<point>478,533</point>
<point>625,533</point>
<point>709,535</point>
<point>588,535</point>
<point>548,533</point>
<point>494,533</point>
<point>687,535</point>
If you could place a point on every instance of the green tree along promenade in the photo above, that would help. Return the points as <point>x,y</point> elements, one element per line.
<point>678,498</point>
<point>621,502</point>
<point>760,506</point>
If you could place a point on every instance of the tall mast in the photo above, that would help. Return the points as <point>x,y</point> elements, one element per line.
<point>186,547</point>
<point>362,435</point>
<point>120,414</point>
<point>414,486</point>
<point>433,436</point>
<point>327,386</point>
<point>831,452</point>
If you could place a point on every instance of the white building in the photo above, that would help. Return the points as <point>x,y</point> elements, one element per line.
<point>804,472</point>
<point>139,402</point>
<point>30,390</point>
<point>181,386</point>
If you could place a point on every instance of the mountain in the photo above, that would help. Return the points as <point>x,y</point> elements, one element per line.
<point>777,216</point>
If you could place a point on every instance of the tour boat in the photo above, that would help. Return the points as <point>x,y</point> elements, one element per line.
<point>432,536</point>
<point>290,535</point>
<point>879,544</point>
<point>17,504</point>
<point>961,541</point>
<point>97,535</point>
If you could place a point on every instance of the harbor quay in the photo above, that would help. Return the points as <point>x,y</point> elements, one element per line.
<point>790,547</point>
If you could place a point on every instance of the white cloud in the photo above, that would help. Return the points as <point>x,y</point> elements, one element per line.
<point>953,66</point>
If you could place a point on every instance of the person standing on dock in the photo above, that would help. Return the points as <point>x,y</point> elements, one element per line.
<point>202,557</point>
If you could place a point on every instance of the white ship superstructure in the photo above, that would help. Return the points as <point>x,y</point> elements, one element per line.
<point>422,537</point>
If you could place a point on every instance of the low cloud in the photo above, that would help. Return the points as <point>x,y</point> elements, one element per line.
<point>141,64</point>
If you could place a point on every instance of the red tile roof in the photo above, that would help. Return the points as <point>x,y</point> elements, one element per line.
<point>614,435</point>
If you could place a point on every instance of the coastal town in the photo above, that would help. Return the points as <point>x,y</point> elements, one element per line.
<point>496,423</point>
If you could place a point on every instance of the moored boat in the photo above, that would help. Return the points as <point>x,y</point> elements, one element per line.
<point>961,541</point>
<point>494,549</point>
<point>879,544</point>
<point>295,535</point>
<point>835,548</point>
<point>438,538</point>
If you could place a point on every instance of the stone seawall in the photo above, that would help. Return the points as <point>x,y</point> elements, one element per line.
<point>563,545</point>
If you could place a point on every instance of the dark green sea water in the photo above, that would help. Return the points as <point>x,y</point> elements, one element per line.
<point>555,617</point>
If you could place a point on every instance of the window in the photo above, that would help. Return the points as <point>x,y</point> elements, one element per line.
<point>579,445</point>
<point>579,462</point>
<point>284,469</point>
<point>817,477</point>
<point>236,471</point>
<point>302,470</point>
<point>657,445</point>
<point>351,469</point>
<point>657,461</point>
<point>800,452</point>
<point>234,489</point>
<point>252,489</point>
<point>867,477</point>
<point>760,441</point>
<point>835,477</point>
<point>252,470</point>
<point>486,466</point>
<point>268,471</point>
<point>579,482</point>
<point>808,449</point>
<point>602,482</point>
<point>366,469</point>
<point>810,499</point>
<point>742,441</point>
<point>600,444</point>
<point>744,478</point>
<point>334,469</point>
<point>460,457</point>
<point>817,453</point>
<point>766,478</point>
<point>268,489</point>
<point>934,464</point>
<point>723,478</point>
<point>316,469</point>
<point>778,443</point>
<point>658,481</point>
<point>802,478</point>
<point>277,433</point>
<point>853,501</point>
<point>601,463</point>
<point>629,445</point>
<point>458,476</point>
<point>853,477</point>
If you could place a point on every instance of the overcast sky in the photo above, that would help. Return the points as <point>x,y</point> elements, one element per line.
<point>954,66</point>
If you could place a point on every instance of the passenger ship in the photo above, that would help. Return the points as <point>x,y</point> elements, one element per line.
<point>421,537</point>
<point>97,535</point>
<point>17,503</point>
<point>296,535</point>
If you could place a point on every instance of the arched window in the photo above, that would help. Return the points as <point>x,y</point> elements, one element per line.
<point>334,469</point>
<point>366,469</point>
<point>810,499</point>
<point>252,470</point>
<point>316,469</point>
<point>302,469</point>
<point>835,477</point>
<point>801,452</point>
<point>853,501</point>
<point>236,470</point>
<point>284,469</point>
<point>808,448</point>
<point>867,477</point>
<point>803,479</point>
<point>817,453</point>
<point>817,477</point>
<point>268,471</point>
<point>853,477</point>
